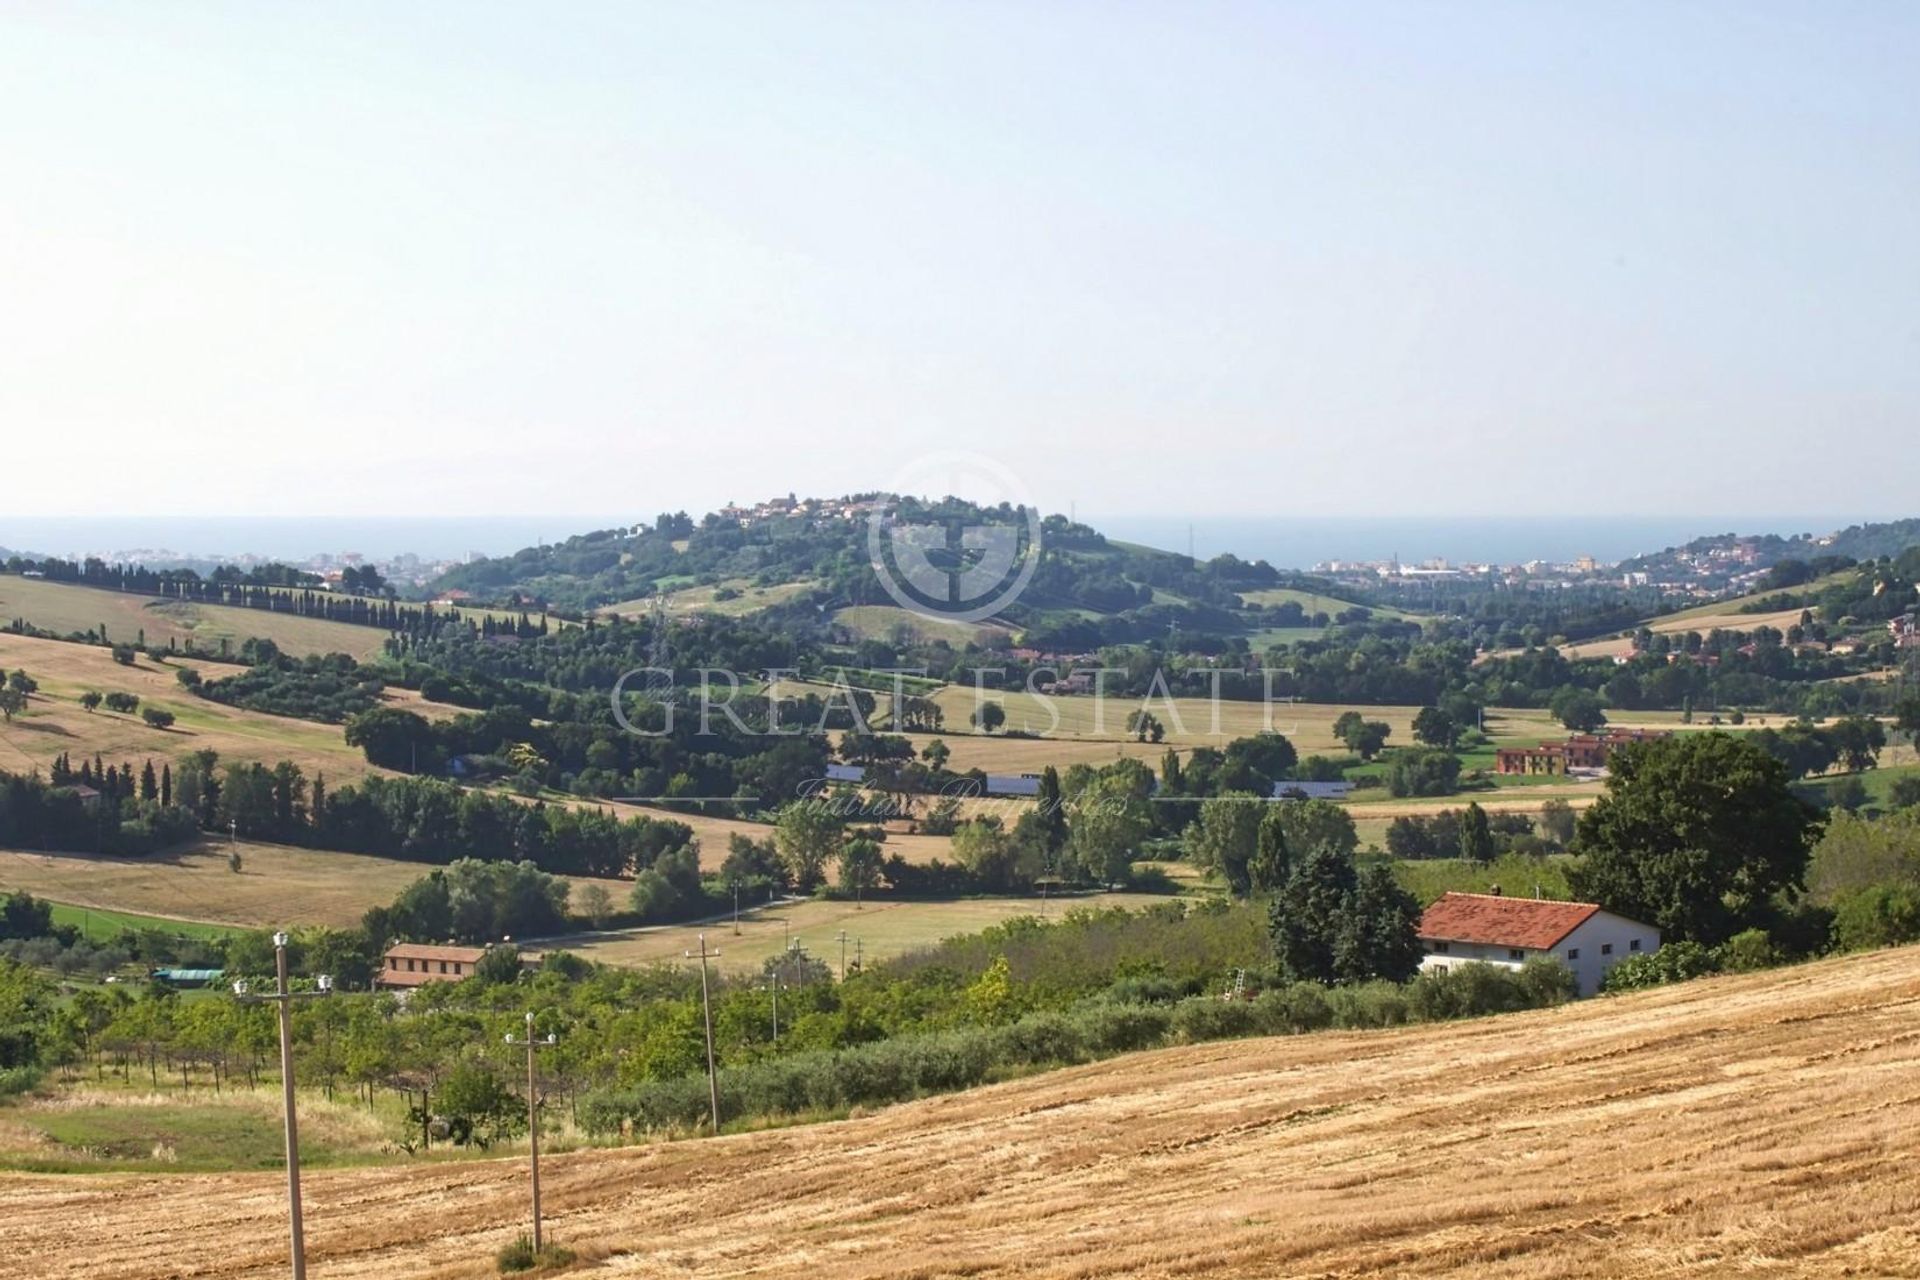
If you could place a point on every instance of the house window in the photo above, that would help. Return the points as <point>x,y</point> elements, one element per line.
<point>1516,953</point>
<point>1440,948</point>
<point>1634,945</point>
<point>1606,948</point>
<point>1573,953</point>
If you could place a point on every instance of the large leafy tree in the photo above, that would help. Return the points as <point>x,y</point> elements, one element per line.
<point>1225,837</point>
<point>807,834</point>
<point>1436,728</point>
<point>1305,917</point>
<point>1379,931</point>
<point>1330,923</point>
<point>1578,709</point>
<point>1315,824</point>
<point>1272,856</point>
<point>1110,818</point>
<point>1694,834</point>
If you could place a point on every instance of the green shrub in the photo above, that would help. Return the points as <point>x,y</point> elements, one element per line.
<point>1294,1008</point>
<point>1674,962</point>
<point>1746,951</point>
<point>520,1255</point>
<point>1370,1005</point>
<point>1041,1038</point>
<point>1545,982</point>
<point>1882,916</point>
<point>1122,1028</point>
<point>17,1080</point>
<point>1211,1018</point>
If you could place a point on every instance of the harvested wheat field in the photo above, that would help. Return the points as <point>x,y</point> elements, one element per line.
<point>54,721</point>
<point>277,884</point>
<point>1757,1125</point>
<point>126,616</point>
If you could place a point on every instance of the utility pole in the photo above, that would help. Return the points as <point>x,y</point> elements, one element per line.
<point>284,999</point>
<point>706,1014</point>
<point>858,947</point>
<point>843,955</point>
<point>531,1042</point>
<point>736,908</point>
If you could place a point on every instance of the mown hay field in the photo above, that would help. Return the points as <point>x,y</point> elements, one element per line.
<point>276,885</point>
<point>55,721</point>
<point>63,608</point>
<point>1756,1125</point>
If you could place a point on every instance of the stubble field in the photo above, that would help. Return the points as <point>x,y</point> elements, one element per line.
<point>63,608</point>
<point>1748,1125</point>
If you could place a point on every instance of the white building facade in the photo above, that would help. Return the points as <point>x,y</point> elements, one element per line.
<point>1470,928</point>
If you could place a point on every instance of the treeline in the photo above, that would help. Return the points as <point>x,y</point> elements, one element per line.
<point>276,589</point>
<point>126,817</point>
<point>418,819</point>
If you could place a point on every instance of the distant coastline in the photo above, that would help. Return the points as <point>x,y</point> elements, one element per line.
<point>1300,542</point>
<point>1288,542</point>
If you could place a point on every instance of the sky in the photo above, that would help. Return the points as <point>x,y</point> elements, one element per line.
<point>1246,260</point>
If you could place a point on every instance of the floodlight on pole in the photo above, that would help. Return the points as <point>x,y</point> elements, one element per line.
<point>284,998</point>
<point>532,1042</point>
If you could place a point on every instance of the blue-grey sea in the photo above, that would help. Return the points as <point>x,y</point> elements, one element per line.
<point>1284,541</point>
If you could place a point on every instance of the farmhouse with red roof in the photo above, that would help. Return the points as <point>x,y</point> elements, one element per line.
<point>1490,928</point>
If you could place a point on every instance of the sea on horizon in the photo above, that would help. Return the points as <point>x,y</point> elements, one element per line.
<point>1287,542</point>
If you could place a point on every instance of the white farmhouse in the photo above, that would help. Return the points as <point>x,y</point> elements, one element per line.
<point>1461,928</point>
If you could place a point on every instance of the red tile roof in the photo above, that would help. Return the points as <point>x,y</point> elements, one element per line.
<point>434,951</point>
<point>1532,923</point>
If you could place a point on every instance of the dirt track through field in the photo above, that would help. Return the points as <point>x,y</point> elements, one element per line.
<point>1760,1124</point>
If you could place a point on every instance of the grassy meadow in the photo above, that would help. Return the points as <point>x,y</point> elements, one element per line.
<point>884,929</point>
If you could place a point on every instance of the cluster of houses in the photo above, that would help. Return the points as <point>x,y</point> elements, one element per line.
<point>1582,753</point>
<point>792,508</point>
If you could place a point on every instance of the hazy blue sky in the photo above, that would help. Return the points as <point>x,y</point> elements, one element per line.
<point>430,258</point>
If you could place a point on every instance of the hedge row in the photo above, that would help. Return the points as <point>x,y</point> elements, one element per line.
<point>913,1066</point>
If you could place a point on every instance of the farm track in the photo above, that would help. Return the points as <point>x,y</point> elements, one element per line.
<point>1756,1125</point>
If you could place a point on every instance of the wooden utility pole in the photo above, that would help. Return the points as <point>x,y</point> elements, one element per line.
<point>533,1114</point>
<point>706,1016</point>
<point>284,998</point>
